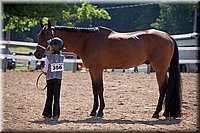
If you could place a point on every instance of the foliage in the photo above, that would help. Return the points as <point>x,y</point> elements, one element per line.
<point>129,19</point>
<point>22,17</point>
<point>175,18</point>
<point>146,17</point>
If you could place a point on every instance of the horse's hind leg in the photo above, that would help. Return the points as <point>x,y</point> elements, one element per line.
<point>162,83</point>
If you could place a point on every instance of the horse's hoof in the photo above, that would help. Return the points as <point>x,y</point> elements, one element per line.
<point>100,115</point>
<point>155,116</point>
<point>93,114</point>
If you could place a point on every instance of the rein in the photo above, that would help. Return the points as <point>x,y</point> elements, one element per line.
<point>38,81</point>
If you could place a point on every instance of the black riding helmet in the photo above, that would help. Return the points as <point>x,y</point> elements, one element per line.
<point>56,43</point>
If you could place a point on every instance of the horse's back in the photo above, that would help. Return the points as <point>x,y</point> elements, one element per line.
<point>125,50</point>
<point>121,50</point>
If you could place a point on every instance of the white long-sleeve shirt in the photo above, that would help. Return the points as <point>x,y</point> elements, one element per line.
<point>45,69</point>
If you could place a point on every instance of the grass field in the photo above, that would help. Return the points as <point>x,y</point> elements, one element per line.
<point>19,49</point>
<point>21,65</point>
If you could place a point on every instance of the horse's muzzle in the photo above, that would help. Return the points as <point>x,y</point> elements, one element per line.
<point>38,55</point>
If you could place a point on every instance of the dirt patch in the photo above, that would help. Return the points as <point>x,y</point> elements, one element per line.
<point>130,100</point>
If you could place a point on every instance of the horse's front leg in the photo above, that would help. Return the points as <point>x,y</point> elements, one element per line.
<point>96,103</point>
<point>97,84</point>
<point>101,98</point>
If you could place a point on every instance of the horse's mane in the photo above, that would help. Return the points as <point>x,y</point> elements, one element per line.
<point>76,29</point>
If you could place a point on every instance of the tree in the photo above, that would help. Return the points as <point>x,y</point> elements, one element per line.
<point>129,17</point>
<point>146,16</point>
<point>198,20</point>
<point>21,17</point>
<point>175,18</point>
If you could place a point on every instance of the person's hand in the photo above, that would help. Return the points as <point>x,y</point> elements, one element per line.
<point>45,73</point>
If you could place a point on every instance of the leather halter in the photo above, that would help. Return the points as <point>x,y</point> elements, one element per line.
<point>39,45</point>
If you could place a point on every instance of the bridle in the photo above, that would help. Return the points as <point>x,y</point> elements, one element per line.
<point>44,48</point>
<point>39,45</point>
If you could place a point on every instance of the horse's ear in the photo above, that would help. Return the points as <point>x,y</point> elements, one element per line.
<point>41,24</point>
<point>49,24</point>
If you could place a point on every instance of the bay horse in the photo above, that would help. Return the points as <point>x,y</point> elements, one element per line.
<point>102,48</point>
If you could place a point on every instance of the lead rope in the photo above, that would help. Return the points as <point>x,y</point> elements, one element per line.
<point>38,81</point>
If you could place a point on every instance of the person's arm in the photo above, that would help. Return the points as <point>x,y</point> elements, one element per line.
<point>45,68</point>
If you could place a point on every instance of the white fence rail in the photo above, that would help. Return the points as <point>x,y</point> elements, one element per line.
<point>26,58</point>
<point>188,48</point>
<point>17,43</point>
<point>31,57</point>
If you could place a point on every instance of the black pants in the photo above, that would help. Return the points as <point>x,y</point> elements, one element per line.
<point>53,93</point>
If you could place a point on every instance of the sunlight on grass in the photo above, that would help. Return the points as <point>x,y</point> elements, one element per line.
<point>21,49</point>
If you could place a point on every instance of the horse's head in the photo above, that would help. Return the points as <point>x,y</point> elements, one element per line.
<point>45,34</point>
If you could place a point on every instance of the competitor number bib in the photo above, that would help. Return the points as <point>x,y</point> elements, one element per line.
<point>55,67</point>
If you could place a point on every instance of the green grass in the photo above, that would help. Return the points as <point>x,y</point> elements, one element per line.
<point>21,65</point>
<point>19,49</point>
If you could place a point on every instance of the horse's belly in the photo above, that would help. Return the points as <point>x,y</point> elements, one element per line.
<point>124,62</point>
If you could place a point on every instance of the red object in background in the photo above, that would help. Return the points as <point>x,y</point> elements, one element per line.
<point>79,65</point>
<point>70,56</point>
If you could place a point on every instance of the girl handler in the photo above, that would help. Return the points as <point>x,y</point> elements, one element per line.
<point>53,69</point>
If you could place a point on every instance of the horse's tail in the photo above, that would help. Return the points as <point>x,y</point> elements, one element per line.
<point>173,97</point>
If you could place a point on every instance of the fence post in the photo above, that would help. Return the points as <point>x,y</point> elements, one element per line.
<point>74,64</point>
<point>148,69</point>
<point>5,60</point>
<point>4,64</point>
